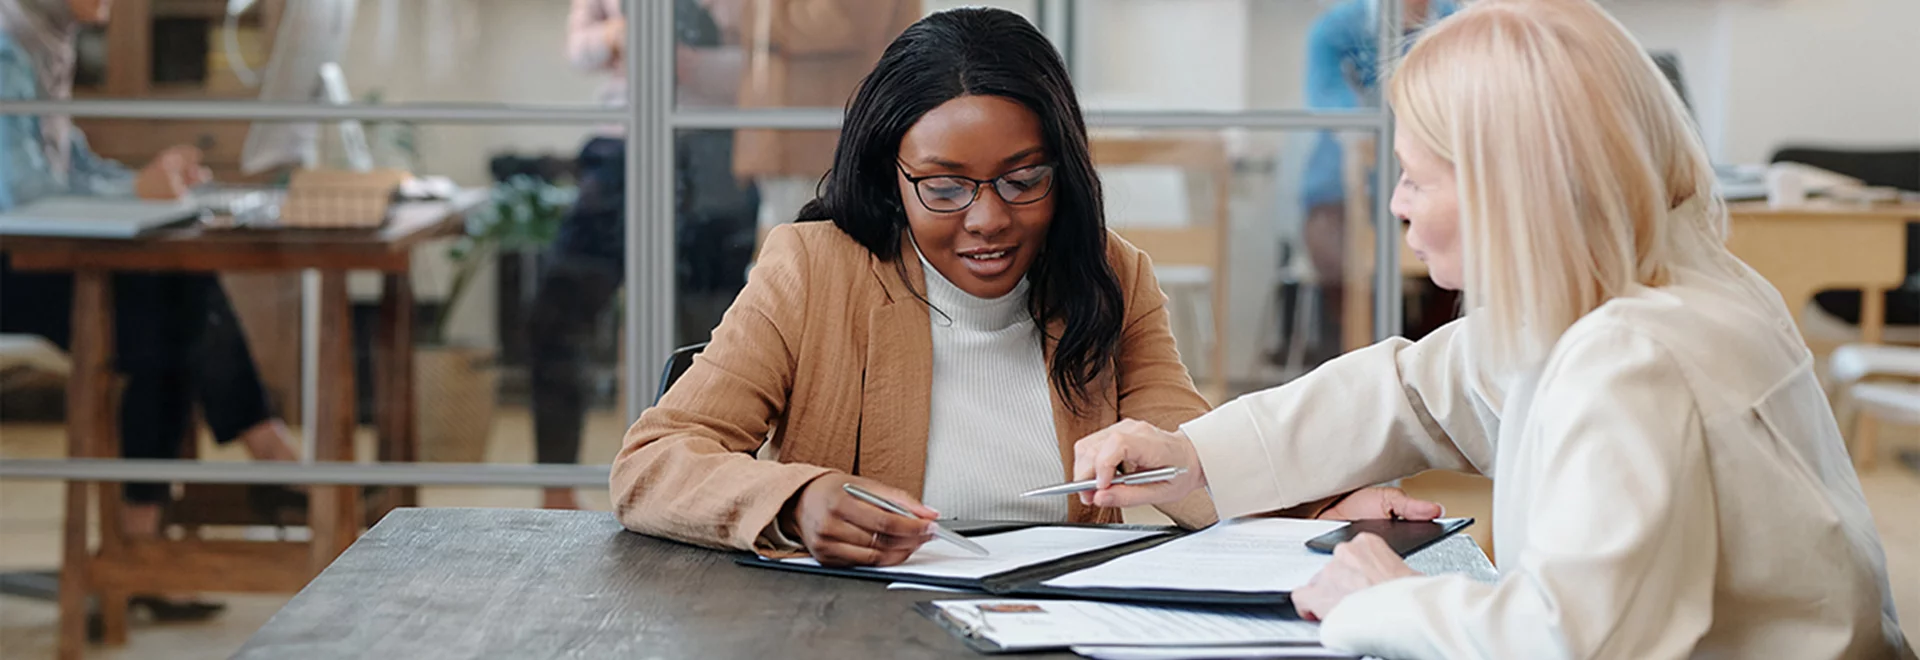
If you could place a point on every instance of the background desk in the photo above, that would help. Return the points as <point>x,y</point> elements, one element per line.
<point>1806,249</point>
<point>122,566</point>
<point>515,583</point>
<point>1803,250</point>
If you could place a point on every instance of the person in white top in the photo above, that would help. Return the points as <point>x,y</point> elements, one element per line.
<point>1668,477</point>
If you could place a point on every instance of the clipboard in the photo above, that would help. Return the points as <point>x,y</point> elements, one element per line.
<point>967,632</point>
<point>1029,581</point>
<point>979,633</point>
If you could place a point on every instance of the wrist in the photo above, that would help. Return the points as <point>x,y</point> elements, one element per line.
<point>790,514</point>
<point>1192,458</point>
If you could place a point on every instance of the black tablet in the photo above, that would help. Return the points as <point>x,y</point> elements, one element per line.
<point>1404,536</point>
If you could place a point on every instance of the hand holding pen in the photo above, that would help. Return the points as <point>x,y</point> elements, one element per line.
<point>839,529</point>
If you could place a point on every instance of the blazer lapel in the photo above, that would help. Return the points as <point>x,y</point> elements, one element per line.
<point>895,401</point>
<point>1098,412</point>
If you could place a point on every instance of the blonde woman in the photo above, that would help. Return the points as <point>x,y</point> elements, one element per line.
<point>1668,477</point>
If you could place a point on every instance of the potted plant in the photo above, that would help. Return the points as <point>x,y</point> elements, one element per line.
<point>455,382</point>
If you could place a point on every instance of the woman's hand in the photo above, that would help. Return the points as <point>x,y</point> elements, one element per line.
<point>1357,564</point>
<point>613,32</point>
<point>1376,502</point>
<point>840,530</point>
<point>171,174</point>
<point>1133,446</point>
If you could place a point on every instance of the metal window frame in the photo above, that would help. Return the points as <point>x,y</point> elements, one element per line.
<point>651,119</point>
<point>317,473</point>
<point>649,291</point>
<point>440,113</point>
<point>829,118</point>
<point>1389,304</point>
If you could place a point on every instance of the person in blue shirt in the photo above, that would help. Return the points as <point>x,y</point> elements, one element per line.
<point>177,339</point>
<point>1343,72</point>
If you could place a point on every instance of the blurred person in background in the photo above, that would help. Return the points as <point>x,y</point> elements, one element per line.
<point>728,53</point>
<point>805,54</point>
<point>176,337</point>
<point>1343,72</point>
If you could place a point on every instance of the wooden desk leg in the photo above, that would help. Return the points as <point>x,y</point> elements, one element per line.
<point>113,539</point>
<point>393,385</point>
<point>1873,315</point>
<point>89,419</point>
<point>73,572</point>
<point>1873,324</point>
<point>334,510</point>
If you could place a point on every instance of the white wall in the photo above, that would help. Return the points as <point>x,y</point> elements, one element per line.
<point>1831,71</point>
<point>1277,50</point>
<point>1140,54</point>
<point>1768,73</point>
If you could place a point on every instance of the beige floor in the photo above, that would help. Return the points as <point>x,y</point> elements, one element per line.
<point>30,515</point>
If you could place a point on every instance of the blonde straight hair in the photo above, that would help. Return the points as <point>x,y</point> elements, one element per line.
<point>1574,158</point>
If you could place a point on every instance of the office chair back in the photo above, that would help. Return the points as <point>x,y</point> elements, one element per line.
<point>1898,168</point>
<point>677,364</point>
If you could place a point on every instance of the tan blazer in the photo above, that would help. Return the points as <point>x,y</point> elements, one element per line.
<point>829,351</point>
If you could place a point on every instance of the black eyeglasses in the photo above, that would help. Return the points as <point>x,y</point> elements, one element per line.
<point>952,193</point>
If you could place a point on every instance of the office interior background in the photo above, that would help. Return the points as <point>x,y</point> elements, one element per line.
<point>1212,153</point>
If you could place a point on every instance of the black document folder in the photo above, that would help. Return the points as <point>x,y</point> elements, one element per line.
<point>1029,581</point>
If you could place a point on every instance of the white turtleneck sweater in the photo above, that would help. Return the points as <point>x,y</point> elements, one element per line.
<point>990,432</point>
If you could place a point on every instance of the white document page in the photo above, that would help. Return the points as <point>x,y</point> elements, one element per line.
<point>1033,624</point>
<point>1011,550</point>
<point>1242,555</point>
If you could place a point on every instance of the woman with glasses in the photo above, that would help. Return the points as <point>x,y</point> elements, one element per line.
<point>943,322</point>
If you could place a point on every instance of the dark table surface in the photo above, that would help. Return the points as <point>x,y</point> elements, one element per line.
<point>515,583</point>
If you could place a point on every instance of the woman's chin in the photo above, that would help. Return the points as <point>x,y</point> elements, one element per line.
<point>1445,278</point>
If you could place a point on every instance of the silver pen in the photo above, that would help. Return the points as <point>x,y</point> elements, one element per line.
<point>943,533</point>
<point>1135,479</point>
